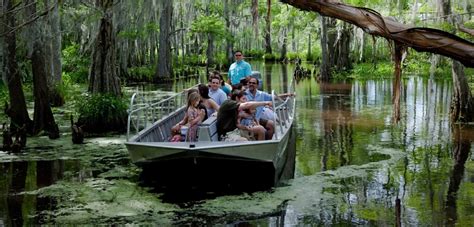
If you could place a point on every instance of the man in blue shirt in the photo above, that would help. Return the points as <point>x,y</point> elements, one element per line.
<point>239,69</point>
<point>253,94</point>
<point>215,92</point>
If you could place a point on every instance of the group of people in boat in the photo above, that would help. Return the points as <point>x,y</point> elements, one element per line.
<point>243,112</point>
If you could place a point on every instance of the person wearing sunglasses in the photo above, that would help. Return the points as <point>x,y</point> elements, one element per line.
<point>253,94</point>
<point>239,69</point>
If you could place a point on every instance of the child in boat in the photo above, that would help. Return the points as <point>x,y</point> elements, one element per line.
<point>249,126</point>
<point>247,123</point>
<point>194,115</point>
<point>176,134</point>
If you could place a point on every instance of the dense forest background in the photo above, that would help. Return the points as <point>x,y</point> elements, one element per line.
<point>52,51</point>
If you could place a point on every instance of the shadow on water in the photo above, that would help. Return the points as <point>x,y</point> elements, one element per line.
<point>187,181</point>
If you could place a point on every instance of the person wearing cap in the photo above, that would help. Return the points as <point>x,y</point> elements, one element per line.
<point>239,69</point>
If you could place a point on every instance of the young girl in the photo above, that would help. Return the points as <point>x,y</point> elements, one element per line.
<point>194,116</point>
<point>246,121</point>
<point>247,117</point>
<point>249,125</point>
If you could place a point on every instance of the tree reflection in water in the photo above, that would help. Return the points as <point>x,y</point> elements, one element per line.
<point>461,150</point>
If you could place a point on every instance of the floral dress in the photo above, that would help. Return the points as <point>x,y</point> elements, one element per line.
<point>192,113</point>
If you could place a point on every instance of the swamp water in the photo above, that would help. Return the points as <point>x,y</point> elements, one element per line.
<point>353,166</point>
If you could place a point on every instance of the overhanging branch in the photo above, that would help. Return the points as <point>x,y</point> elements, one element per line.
<point>420,39</point>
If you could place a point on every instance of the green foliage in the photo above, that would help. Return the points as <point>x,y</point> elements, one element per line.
<point>102,106</point>
<point>195,59</point>
<point>75,66</point>
<point>270,57</point>
<point>138,33</point>
<point>315,55</point>
<point>4,97</point>
<point>469,25</point>
<point>254,53</point>
<point>141,73</point>
<point>66,88</point>
<point>221,59</point>
<point>71,91</point>
<point>210,25</point>
<point>371,71</point>
<point>418,63</point>
<point>294,55</point>
<point>445,26</point>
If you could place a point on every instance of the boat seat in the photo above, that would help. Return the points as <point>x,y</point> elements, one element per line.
<point>207,131</point>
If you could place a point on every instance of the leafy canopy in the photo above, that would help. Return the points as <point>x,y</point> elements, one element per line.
<point>211,24</point>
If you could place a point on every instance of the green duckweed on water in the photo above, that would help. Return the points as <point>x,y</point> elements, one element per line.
<point>114,196</point>
<point>105,201</point>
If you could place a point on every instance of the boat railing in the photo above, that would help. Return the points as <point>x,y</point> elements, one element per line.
<point>142,113</point>
<point>283,111</point>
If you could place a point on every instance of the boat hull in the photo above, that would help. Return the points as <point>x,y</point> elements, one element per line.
<point>263,151</point>
<point>222,171</point>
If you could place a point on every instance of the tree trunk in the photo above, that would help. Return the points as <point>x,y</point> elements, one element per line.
<point>164,68</point>
<point>254,11</point>
<point>420,39</point>
<point>17,111</point>
<point>309,48</point>
<point>52,55</point>
<point>268,77</point>
<point>331,39</point>
<point>284,46</point>
<point>209,52</point>
<point>342,48</point>
<point>434,60</point>
<point>443,9</point>
<point>374,52</point>
<point>182,35</point>
<point>2,44</point>
<point>229,43</point>
<point>414,12</point>
<point>43,116</point>
<point>103,74</point>
<point>268,27</point>
<point>293,35</point>
<point>325,69</point>
<point>462,105</point>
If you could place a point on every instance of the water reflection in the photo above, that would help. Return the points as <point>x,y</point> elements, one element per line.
<point>344,119</point>
<point>461,150</point>
<point>19,208</point>
<point>336,125</point>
